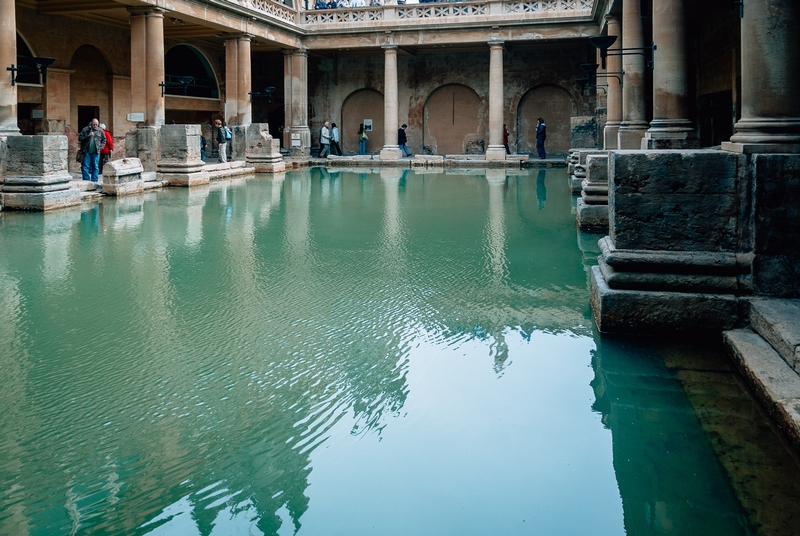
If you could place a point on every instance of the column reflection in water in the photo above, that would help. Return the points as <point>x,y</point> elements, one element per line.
<point>668,476</point>
<point>392,223</point>
<point>195,202</point>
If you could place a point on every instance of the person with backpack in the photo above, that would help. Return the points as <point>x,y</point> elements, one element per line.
<point>362,139</point>
<point>223,137</point>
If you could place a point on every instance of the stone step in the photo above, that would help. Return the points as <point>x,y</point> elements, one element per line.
<point>775,384</point>
<point>778,322</point>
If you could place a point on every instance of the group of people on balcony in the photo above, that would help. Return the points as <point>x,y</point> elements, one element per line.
<point>337,4</point>
<point>340,4</point>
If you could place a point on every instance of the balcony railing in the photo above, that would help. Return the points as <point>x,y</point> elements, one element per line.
<point>525,9</point>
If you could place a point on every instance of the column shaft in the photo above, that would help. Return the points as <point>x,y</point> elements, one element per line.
<point>154,115</point>
<point>138,61</point>
<point>634,123</point>
<point>232,81</point>
<point>244,83</point>
<point>390,151</point>
<point>299,106</point>
<point>8,56</point>
<point>770,77</point>
<point>614,113</point>
<point>287,96</point>
<point>495,150</point>
<point>670,128</point>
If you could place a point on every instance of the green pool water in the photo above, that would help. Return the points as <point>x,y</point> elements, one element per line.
<point>378,352</point>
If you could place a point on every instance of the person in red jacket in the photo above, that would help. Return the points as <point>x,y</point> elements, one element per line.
<point>105,152</point>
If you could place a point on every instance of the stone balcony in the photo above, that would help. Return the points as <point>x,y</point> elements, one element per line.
<point>424,15</point>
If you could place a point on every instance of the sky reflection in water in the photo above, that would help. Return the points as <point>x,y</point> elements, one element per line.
<point>334,353</point>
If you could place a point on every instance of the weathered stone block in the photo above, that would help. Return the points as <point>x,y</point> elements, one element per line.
<point>123,177</point>
<point>147,147</point>
<point>674,200</point>
<point>584,131</point>
<point>36,174</point>
<point>641,311</point>
<point>263,152</point>
<point>592,217</point>
<point>776,224</point>
<point>180,149</point>
<point>237,146</point>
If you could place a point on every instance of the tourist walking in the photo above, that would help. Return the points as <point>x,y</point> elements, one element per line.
<point>203,145</point>
<point>325,140</point>
<point>105,152</point>
<point>505,139</point>
<point>541,135</point>
<point>222,138</point>
<point>92,140</point>
<point>362,139</point>
<point>335,147</point>
<point>402,139</point>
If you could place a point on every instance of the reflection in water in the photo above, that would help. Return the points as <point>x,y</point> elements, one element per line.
<point>313,355</point>
<point>541,190</point>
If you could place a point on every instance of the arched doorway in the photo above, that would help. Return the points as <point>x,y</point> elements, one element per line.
<point>89,88</point>
<point>360,105</point>
<point>189,75</point>
<point>555,106</point>
<point>453,121</point>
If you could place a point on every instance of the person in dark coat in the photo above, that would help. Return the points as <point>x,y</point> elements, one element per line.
<point>505,139</point>
<point>541,135</point>
<point>401,139</point>
<point>92,140</point>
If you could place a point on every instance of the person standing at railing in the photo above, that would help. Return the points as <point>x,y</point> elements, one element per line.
<point>357,3</point>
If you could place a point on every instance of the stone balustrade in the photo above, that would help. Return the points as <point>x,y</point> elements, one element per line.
<point>438,12</point>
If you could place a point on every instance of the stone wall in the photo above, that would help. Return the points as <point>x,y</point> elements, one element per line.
<point>530,70</point>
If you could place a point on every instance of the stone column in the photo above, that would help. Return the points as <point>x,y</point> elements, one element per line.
<point>299,106</point>
<point>232,80</point>
<point>244,81</point>
<point>287,92</point>
<point>634,123</point>
<point>670,128</point>
<point>390,151</point>
<point>154,114</point>
<point>138,60</point>
<point>770,77</point>
<point>613,65</point>
<point>495,150</point>
<point>8,55</point>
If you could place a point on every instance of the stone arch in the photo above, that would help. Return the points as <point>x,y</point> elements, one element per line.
<point>359,105</point>
<point>89,87</point>
<point>556,106</point>
<point>186,60</point>
<point>453,121</point>
<point>25,55</point>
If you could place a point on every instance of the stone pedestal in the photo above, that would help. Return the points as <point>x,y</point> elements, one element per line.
<point>577,178</point>
<point>36,174</point>
<point>145,148</point>
<point>263,151</point>
<point>592,207</point>
<point>123,177</point>
<point>237,146</point>
<point>577,168</point>
<point>180,163</point>
<point>676,257</point>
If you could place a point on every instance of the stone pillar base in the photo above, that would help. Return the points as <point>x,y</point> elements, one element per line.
<point>303,148</point>
<point>40,201</point>
<point>184,179</point>
<point>391,152</point>
<point>752,148</point>
<point>495,152</point>
<point>592,217</point>
<point>630,137</point>
<point>610,135</point>
<point>123,177</point>
<point>262,151</point>
<point>642,311</point>
<point>36,174</point>
<point>147,147</point>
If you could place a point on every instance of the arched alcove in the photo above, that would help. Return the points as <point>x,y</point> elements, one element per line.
<point>553,104</point>
<point>25,56</point>
<point>360,105</point>
<point>89,88</point>
<point>188,73</point>
<point>453,121</point>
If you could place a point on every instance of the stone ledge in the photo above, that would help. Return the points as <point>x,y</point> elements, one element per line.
<point>775,385</point>
<point>778,322</point>
<point>649,311</point>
